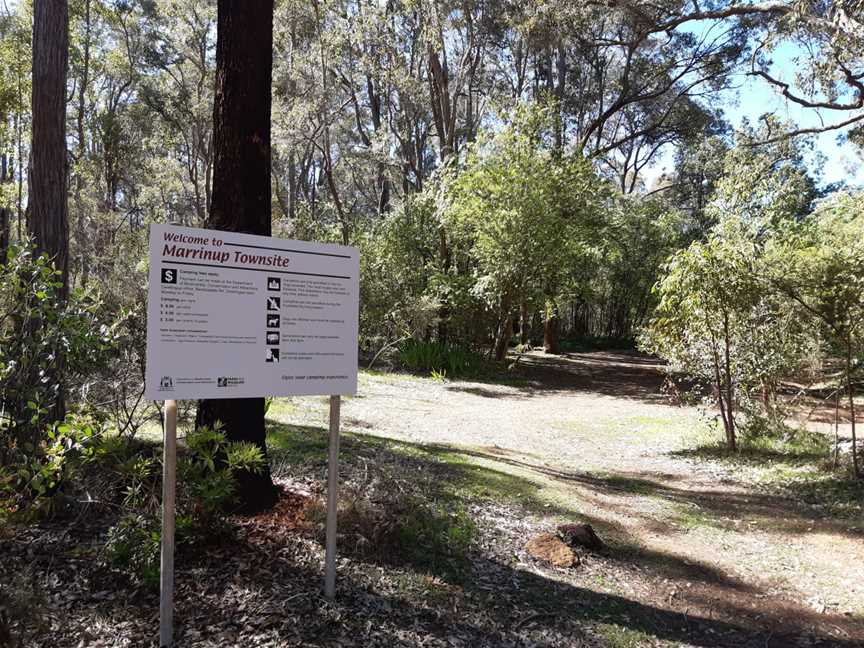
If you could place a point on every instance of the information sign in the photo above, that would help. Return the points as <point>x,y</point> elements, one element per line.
<point>234,316</point>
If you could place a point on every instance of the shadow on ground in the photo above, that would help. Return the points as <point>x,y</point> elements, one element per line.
<point>623,374</point>
<point>403,472</point>
<point>784,513</point>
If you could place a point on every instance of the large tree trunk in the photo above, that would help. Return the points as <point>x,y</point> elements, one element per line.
<point>47,211</point>
<point>241,187</point>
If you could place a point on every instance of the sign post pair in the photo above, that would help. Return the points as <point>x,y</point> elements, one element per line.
<point>241,316</point>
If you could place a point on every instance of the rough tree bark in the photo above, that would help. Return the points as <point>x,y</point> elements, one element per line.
<point>5,219</point>
<point>47,211</point>
<point>241,188</point>
<point>6,175</point>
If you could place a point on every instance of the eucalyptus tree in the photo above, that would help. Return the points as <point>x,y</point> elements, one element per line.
<point>820,266</point>
<point>719,318</point>
<point>526,218</point>
<point>241,188</point>
<point>15,54</point>
<point>177,79</point>
<point>47,209</point>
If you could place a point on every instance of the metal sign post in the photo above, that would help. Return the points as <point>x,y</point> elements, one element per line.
<point>233,315</point>
<point>332,483</point>
<point>166,566</point>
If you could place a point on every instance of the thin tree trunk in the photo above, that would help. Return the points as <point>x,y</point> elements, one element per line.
<point>19,135</point>
<point>551,326</point>
<point>836,429</point>
<point>5,228</point>
<point>6,174</point>
<point>81,229</point>
<point>731,441</point>
<point>444,308</point>
<point>241,188</point>
<point>851,395</point>
<point>524,324</point>
<point>505,331</point>
<point>721,400</point>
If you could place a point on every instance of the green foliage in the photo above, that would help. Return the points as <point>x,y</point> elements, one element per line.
<point>206,486</point>
<point>133,544</point>
<point>763,187</point>
<point>721,318</point>
<point>639,235</point>
<point>41,472</point>
<point>525,216</point>
<point>433,534</point>
<point>820,264</point>
<point>207,472</point>
<point>44,341</point>
<point>399,267</point>
<point>440,359</point>
<point>718,322</point>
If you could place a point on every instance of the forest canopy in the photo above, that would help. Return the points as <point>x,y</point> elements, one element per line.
<point>496,162</point>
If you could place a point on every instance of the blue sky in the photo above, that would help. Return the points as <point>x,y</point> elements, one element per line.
<point>756,97</point>
<point>752,97</point>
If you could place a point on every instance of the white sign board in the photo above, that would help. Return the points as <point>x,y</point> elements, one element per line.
<point>235,316</point>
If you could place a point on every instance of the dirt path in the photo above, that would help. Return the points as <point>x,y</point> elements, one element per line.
<point>596,437</point>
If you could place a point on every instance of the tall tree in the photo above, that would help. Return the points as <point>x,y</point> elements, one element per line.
<point>47,211</point>
<point>241,186</point>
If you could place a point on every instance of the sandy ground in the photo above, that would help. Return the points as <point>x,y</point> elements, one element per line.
<point>599,439</point>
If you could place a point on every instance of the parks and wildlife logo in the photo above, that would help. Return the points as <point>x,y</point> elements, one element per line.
<point>229,381</point>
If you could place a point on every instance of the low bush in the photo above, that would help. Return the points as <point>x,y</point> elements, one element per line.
<point>42,470</point>
<point>443,360</point>
<point>206,487</point>
<point>433,535</point>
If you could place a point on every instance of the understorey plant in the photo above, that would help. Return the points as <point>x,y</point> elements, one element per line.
<point>206,491</point>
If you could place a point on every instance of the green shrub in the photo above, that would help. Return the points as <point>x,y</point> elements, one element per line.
<point>133,544</point>
<point>434,535</point>
<point>44,340</point>
<point>206,485</point>
<point>429,534</point>
<point>440,359</point>
<point>41,471</point>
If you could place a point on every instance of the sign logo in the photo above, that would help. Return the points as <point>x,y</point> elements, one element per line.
<point>273,303</point>
<point>169,276</point>
<point>166,383</point>
<point>274,283</point>
<point>229,381</point>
